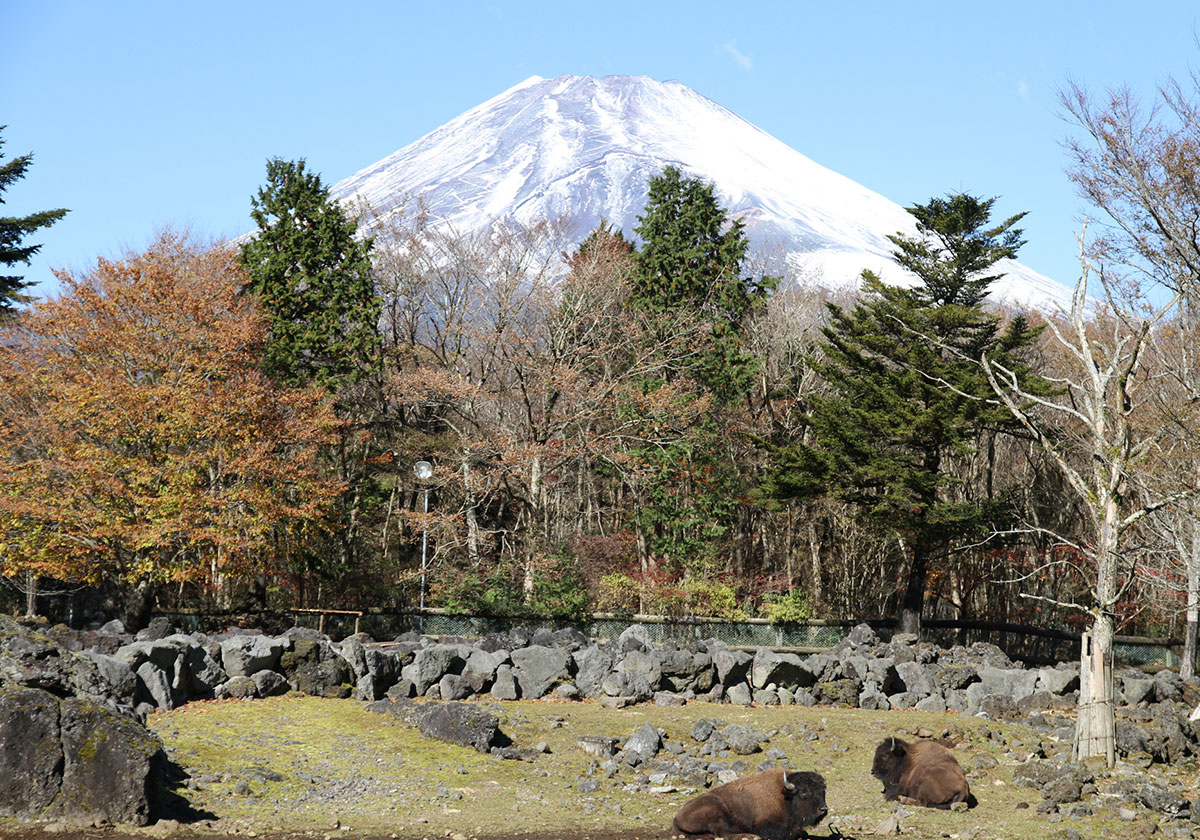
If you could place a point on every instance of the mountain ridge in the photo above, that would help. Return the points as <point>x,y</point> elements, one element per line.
<point>583,148</point>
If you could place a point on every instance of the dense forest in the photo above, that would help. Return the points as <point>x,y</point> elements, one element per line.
<point>652,425</point>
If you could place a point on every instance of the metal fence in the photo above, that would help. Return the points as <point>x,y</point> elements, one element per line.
<point>1032,645</point>
<point>658,630</point>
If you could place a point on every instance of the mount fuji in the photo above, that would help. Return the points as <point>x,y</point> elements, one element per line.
<point>583,149</point>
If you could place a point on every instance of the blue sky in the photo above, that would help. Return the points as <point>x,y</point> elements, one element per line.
<point>145,114</point>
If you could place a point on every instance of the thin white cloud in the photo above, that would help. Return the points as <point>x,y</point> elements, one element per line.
<point>730,48</point>
<point>1023,89</point>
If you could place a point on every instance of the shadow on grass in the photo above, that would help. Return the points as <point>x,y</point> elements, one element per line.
<point>166,801</point>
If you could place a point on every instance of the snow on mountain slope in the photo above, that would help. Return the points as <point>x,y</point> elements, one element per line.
<point>584,149</point>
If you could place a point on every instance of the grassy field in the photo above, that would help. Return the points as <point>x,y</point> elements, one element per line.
<point>302,765</point>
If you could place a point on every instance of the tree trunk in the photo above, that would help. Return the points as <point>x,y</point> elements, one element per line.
<point>535,493</point>
<point>256,597</point>
<point>139,604</point>
<point>1187,667</point>
<point>1095,728</point>
<point>913,602</point>
<point>815,565</point>
<point>31,592</point>
<point>469,511</point>
<point>222,586</point>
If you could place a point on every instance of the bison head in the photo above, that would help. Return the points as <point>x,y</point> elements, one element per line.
<point>805,795</point>
<point>889,764</point>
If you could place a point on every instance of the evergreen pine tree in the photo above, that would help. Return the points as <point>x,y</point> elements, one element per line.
<point>691,259</point>
<point>13,230</point>
<point>689,285</point>
<point>314,278</point>
<point>955,252</point>
<point>907,391</point>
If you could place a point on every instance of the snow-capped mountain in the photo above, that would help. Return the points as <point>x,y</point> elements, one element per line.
<point>583,149</point>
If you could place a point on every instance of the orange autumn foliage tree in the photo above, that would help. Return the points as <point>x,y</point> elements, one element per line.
<point>139,440</point>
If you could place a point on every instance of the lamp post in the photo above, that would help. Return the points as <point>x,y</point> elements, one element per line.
<point>423,470</point>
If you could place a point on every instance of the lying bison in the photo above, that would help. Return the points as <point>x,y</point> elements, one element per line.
<point>774,804</point>
<point>924,773</point>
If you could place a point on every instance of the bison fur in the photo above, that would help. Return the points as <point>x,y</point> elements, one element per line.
<point>773,804</point>
<point>923,773</point>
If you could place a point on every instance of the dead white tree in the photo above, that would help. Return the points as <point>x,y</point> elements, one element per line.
<point>1138,163</point>
<point>1101,408</point>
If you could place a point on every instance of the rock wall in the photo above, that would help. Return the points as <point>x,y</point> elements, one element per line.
<point>160,668</point>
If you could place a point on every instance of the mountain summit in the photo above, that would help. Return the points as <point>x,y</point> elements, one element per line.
<point>583,149</point>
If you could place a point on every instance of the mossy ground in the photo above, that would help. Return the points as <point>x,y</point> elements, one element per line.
<point>302,765</point>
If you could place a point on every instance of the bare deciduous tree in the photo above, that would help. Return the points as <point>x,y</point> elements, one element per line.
<point>1094,433</point>
<point>1140,166</point>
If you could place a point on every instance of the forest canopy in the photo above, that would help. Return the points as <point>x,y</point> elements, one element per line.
<point>632,424</point>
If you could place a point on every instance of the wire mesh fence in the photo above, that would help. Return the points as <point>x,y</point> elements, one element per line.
<point>1031,645</point>
<point>657,630</point>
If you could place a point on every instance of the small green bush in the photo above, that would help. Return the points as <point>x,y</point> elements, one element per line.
<point>559,591</point>
<point>789,607</point>
<point>618,593</point>
<point>494,593</point>
<point>712,599</point>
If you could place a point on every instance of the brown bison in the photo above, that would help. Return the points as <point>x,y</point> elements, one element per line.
<point>774,804</point>
<point>924,773</point>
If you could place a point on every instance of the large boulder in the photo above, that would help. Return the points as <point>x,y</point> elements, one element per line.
<point>538,668</point>
<point>457,723</point>
<point>979,654</point>
<point>686,670</point>
<point>32,659</point>
<point>841,692</point>
<point>1136,690</point>
<point>375,670</point>
<point>73,758</point>
<point>1014,683</point>
<point>31,758</point>
<point>179,660</point>
<point>1162,731</point>
<point>732,666</point>
<point>637,675</point>
<point>106,640</point>
<point>592,665</point>
<point>246,655</point>
<point>568,638</point>
<point>826,668</point>
<point>154,687</point>
<point>504,687</point>
<point>1059,680</point>
<point>109,765</point>
<point>645,741</point>
<point>159,628</point>
<point>768,667</point>
<point>432,663</point>
<point>480,668</point>
<point>954,676</point>
<point>105,679</point>
<point>240,688</point>
<point>634,637</point>
<point>917,678</point>
<point>266,684</point>
<point>313,667</point>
